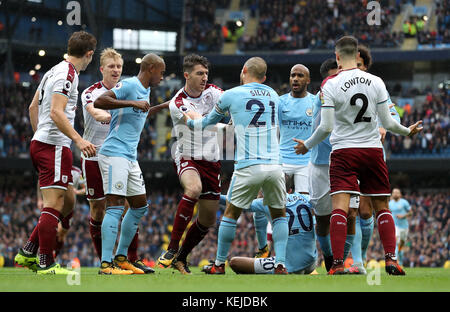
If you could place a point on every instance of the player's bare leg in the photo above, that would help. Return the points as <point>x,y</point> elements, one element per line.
<point>227,231</point>
<point>243,265</point>
<point>386,230</point>
<point>207,215</point>
<point>192,185</point>
<point>338,230</point>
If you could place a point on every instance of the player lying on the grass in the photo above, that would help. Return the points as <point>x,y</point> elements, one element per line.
<point>301,251</point>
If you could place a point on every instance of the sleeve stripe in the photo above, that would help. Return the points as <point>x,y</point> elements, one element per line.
<point>60,93</point>
<point>327,106</point>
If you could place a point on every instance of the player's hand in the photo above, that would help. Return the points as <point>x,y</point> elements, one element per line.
<point>382,134</point>
<point>142,105</point>
<point>86,147</point>
<point>300,148</point>
<point>415,128</point>
<point>193,115</point>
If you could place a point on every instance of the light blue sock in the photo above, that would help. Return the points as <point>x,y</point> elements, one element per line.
<point>400,257</point>
<point>260,221</point>
<point>110,226</point>
<point>280,235</point>
<point>129,227</point>
<point>348,245</point>
<point>227,231</point>
<point>356,246</point>
<point>366,235</point>
<point>325,245</point>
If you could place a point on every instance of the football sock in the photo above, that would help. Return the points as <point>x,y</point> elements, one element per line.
<point>348,244</point>
<point>32,245</point>
<point>400,257</point>
<point>227,231</point>
<point>366,235</point>
<point>260,221</point>
<point>132,249</point>
<point>193,237</point>
<point>95,229</point>
<point>48,225</point>
<point>338,233</point>
<point>356,246</point>
<point>129,227</point>
<point>386,229</point>
<point>325,245</point>
<point>280,235</point>
<point>182,217</point>
<point>110,227</point>
<point>65,222</point>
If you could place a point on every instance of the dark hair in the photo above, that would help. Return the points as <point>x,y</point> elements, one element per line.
<point>347,45</point>
<point>326,66</point>
<point>191,60</point>
<point>80,43</point>
<point>364,52</point>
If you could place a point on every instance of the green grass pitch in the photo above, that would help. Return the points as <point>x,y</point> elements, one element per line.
<point>169,280</point>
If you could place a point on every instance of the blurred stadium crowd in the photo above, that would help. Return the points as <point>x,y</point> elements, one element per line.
<point>427,245</point>
<point>16,132</point>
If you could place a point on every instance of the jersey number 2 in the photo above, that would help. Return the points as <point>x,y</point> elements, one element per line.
<point>365,101</point>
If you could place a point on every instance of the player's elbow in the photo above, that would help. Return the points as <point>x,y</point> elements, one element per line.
<point>54,113</point>
<point>100,102</point>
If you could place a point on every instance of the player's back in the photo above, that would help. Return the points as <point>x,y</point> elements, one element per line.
<point>254,110</point>
<point>60,79</point>
<point>301,233</point>
<point>354,94</point>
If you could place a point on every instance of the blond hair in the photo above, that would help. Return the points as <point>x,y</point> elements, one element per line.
<point>109,53</point>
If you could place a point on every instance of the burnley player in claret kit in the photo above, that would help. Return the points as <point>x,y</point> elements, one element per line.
<point>52,114</point>
<point>197,163</point>
<point>352,101</point>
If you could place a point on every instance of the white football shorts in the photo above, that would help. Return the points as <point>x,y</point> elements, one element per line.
<point>300,174</point>
<point>246,183</point>
<point>121,176</point>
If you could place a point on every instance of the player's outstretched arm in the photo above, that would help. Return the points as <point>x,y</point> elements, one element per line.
<point>157,108</point>
<point>212,118</point>
<point>392,125</point>
<point>108,100</point>
<point>100,115</point>
<point>58,116</point>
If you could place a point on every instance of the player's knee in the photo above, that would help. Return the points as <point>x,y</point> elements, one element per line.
<point>193,190</point>
<point>97,209</point>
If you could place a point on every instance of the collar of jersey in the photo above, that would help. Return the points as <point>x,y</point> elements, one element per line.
<point>187,94</point>
<point>72,66</point>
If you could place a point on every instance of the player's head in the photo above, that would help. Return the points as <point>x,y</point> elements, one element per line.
<point>346,49</point>
<point>254,69</point>
<point>299,79</point>
<point>364,58</point>
<point>154,67</point>
<point>396,193</point>
<point>82,46</point>
<point>196,71</point>
<point>328,68</point>
<point>111,65</point>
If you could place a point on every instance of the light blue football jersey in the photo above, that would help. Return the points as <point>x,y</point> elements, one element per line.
<point>126,123</point>
<point>320,154</point>
<point>295,119</point>
<point>301,248</point>
<point>254,110</point>
<point>399,207</point>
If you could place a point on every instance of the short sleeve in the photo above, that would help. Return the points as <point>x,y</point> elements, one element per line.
<point>382,94</point>
<point>176,110</point>
<point>64,82</point>
<point>122,90</point>
<point>86,98</point>
<point>224,102</point>
<point>326,96</point>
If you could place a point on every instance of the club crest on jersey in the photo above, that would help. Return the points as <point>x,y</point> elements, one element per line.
<point>64,179</point>
<point>184,108</point>
<point>91,191</point>
<point>118,185</point>
<point>67,85</point>
<point>309,112</point>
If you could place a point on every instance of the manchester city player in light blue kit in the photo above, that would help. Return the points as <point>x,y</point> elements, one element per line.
<point>121,174</point>
<point>295,118</point>
<point>401,210</point>
<point>253,107</point>
<point>301,251</point>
